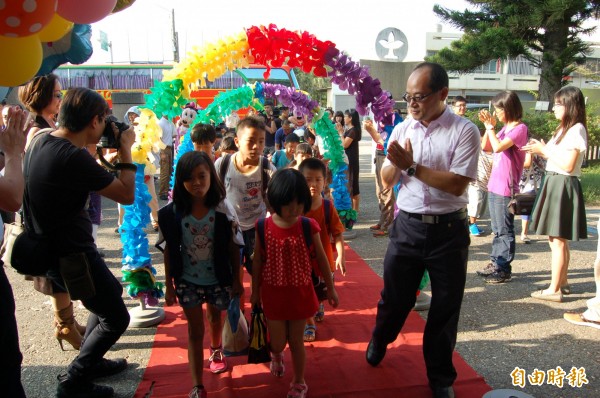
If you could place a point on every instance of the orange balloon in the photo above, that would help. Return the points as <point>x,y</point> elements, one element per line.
<point>21,59</point>
<point>21,18</point>
<point>56,29</point>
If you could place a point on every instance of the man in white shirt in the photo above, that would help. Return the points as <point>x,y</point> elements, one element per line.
<point>435,155</point>
<point>166,156</point>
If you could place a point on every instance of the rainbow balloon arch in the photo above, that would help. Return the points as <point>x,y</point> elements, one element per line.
<point>268,46</point>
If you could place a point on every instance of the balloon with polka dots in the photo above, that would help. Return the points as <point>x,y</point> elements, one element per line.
<point>22,18</point>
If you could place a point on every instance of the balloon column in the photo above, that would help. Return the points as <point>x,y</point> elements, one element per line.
<point>25,25</point>
<point>273,47</point>
<point>137,265</point>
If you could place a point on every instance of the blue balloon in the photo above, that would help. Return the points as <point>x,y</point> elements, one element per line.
<point>74,47</point>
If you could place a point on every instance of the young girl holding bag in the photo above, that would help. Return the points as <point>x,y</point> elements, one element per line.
<point>199,223</point>
<point>281,277</point>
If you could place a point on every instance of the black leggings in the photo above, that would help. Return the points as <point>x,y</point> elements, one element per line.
<point>10,377</point>
<point>108,318</point>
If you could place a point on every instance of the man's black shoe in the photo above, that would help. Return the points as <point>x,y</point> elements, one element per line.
<point>68,388</point>
<point>375,353</point>
<point>107,367</point>
<point>443,392</point>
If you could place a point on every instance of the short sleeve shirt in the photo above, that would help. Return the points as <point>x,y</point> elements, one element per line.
<point>61,177</point>
<point>280,137</point>
<point>280,160</point>
<point>508,163</point>
<point>197,240</point>
<point>335,228</point>
<point>168,131</point>
<point>574,139</point>
<point>449,143</point>
<point>244,191</point>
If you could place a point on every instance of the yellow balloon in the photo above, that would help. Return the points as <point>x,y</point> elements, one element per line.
<point>56,29</point>
<point>21,59</point>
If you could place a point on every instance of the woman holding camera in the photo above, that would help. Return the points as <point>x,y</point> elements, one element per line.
<point>559,210</point>
<point>61,175</point>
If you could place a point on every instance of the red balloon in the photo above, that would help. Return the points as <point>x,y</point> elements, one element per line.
<point>22,18</point>
<point>85,11</point>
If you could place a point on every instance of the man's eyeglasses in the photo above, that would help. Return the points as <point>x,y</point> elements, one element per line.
<point>417,98</point>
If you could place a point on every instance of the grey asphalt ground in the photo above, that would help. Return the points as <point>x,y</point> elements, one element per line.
<point>501,327</point>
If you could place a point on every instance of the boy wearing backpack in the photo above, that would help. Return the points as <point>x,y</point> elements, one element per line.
<point>324,213</point>
<point>245,175</point>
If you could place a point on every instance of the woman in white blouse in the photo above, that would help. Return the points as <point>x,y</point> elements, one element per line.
<point>559,211</point>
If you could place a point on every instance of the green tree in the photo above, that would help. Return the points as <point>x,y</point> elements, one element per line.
<point>546,32</point>
<point>316,87</point>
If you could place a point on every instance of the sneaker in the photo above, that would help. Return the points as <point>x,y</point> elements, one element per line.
<point>69,388</point>
<point>498,277</point>
<point>474,230</point>
<point>216,361</point>
<point>198,392</point>
<point>297,390</point>
<point>107,367</point>
<point>489,269</point>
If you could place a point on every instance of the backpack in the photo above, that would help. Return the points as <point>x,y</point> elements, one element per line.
<point>318,283</point>
<point>264,167</point>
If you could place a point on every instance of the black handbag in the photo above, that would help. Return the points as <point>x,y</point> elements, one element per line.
<point>31,254</point>
<point>25,247</point>
<point>521,204</point>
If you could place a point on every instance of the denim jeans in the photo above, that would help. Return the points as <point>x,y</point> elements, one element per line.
<point>503,228</point>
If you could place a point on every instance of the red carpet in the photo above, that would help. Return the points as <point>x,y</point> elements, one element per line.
<point>336,365</point>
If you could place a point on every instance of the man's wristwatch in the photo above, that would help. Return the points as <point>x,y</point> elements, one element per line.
<point>412,170</point>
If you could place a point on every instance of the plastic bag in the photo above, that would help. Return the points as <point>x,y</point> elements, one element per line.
<point>235,331</point>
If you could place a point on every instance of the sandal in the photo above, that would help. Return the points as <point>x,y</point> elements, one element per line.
<point>297,390</point>
<point>277,367</point>
<point>381,233</point>
<point>310,333</point>
<point>320,314</point>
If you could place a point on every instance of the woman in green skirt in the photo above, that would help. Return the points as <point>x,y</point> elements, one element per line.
<point>559,211</point>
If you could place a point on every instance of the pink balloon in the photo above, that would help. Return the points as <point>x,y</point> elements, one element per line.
<point>85,11</point>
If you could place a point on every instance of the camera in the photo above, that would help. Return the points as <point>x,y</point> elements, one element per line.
<point>108,139</point>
